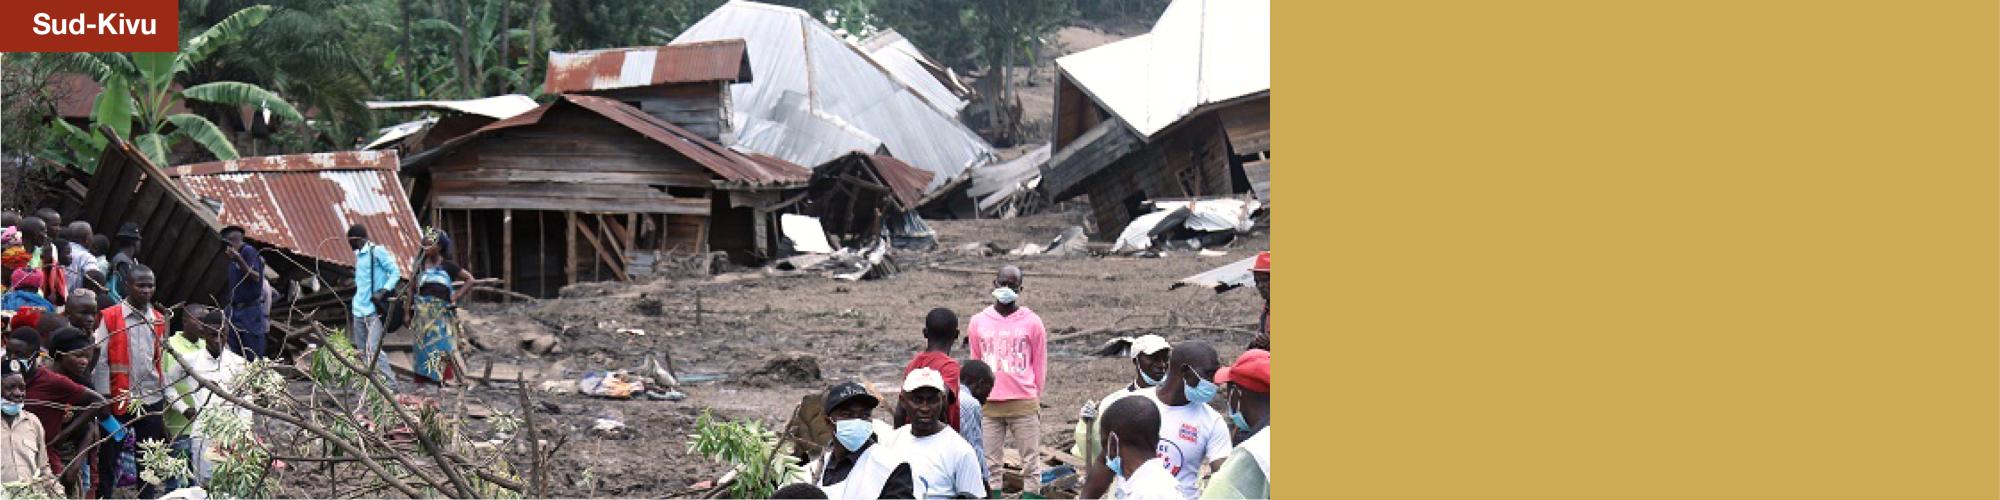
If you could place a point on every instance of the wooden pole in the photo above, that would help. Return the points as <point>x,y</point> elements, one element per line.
<point>541,245</point>
<point>569,247</point>
<point>507,248</point>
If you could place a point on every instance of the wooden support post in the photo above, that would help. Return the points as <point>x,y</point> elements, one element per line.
<point>602,253</point>
<point>507,248</point>
<point>569,248</point>
<point>631,231</point>
<point>542,248</point>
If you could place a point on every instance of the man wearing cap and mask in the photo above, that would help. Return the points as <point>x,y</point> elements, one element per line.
<point>1149,367</point>
<point>1191,433</point>
<point>857,465</point>
<point>942,463</point>
<point>1247,472</point>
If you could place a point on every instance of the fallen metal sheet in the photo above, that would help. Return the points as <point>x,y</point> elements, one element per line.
<point>792,52</point>
<point>498,107</point>
<point>804,233</point>
<point>398,132</point>
<point>624,68</point>
<point>1259,173</point>
<point>304,203</point>
<point>1139,234</point>
<point>182,238</point>
<point>1222,214</point>
<point>1222,279</point>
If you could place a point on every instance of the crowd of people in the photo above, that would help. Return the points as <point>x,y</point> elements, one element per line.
<point>1159,437</point>
<point>94,366</point>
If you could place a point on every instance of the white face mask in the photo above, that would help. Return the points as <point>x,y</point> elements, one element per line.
<point>1005,295</point>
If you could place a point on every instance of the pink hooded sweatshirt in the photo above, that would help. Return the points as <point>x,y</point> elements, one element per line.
<point>1017,348</point>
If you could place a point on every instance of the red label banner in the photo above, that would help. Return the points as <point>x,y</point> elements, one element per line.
<point>89,26</point>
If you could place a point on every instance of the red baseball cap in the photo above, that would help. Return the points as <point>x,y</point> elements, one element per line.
<point>1252,372</point>
<point>1263,263</point>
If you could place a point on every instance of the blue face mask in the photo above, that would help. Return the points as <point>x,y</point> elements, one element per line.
<point>10,408</point>
<point>1236,417</point>
<point>1202,392</point>
<point>1005,295</point>
<point>1112,458</point>
<point>1148,378</point>
<point>853,432</point>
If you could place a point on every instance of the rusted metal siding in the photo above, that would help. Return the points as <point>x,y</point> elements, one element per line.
<point>905,182</point>
<point>717,60</point>
<point>304,203</point>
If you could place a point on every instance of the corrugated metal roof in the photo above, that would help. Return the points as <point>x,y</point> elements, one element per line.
<point>498,107</point>
<point>607,69</point>
<point>732,166</point>
<point>398,132</point>
<point>1199,52</point>
<point>304,203</point>
<point>182,240</point>
<point>795,54</point>
<point>905,181</point>
<point>913,68</point>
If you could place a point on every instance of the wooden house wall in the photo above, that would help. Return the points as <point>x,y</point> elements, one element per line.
<point>700,107</point>
<point>1191,161</point>
<point>537,252</point>
<point>1076,113</point>
<point>570,162</point>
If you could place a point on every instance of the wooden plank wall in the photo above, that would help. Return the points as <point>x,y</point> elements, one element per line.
<point>701,108</point>
<point>1191,161</point>
<point>571,162</point>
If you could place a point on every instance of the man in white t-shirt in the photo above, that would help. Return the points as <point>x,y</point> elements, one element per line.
<point>1191,433</point>
<point>1128,428</point>
<point>942,463</point>
<point>1149,355</point>
<point>857,465</point>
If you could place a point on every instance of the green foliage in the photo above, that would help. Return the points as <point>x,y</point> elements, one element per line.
<point>750,448</point>
<point>157,463</point>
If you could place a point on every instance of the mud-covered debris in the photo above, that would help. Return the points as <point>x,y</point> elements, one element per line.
<point>615,384</point>
<point>539,342</point>
<point>592,289</point>
<point>788,368</point>
<point>649,306</point>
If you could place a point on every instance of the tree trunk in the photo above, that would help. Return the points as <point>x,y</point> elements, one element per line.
<point>404,55</point>
<point>506,57</point>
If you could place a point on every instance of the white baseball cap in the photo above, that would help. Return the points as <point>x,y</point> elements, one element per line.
<point>1148,344</point>
<point>923,377</point>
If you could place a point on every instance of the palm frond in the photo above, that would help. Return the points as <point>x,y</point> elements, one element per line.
<point>153,146</point>
<point>205,133</point>
<point>226,32</point>
<point>242,94</point>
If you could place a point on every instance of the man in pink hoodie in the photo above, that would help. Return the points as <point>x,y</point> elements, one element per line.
<point>1011,339</point>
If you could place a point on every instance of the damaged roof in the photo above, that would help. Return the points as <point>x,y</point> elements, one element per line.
<point>305,202</point>
<point>936,82</point>
<point>795,54</point>
<point>178,235</point>
<point>498,107</point>
<point>609,69</point>
<point>734,168</point>
<point>1199,52</point>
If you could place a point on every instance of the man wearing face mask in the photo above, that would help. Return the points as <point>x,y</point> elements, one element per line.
<point>23,459</point>
<point>1011,339</point>
<point>1130,427</point>
<point>942,463</point>
<point>1149,367</point>
<point>857,465</point>
<point>1191,433</point>
<point>66,408</point>
<point>1247,472</point>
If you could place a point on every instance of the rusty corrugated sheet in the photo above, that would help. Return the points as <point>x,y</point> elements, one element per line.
<point>734,168</point>
<point>181,241</point>
<point>304,203</point>
<point>905,181</point>
<point>608,69</point>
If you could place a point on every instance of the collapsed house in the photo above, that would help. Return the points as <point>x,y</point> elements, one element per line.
<point>686,84</point>
<point>861,198</point>
<point>451,119</point>
<point>818,97</point>
<point>295,209</point>
<point>582,188</point>
<point>937,83</point>
<point>1182,111</point>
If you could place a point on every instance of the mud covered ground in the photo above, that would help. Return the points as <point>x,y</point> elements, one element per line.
<point>862,330</point>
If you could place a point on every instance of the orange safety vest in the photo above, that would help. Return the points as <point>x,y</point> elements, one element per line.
<point>119,353</point>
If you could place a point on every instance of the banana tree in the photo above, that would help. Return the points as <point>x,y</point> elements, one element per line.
<point>139,98</point>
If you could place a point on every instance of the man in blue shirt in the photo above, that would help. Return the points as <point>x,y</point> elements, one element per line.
<point>375,276</point>
<point>245,293</point>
